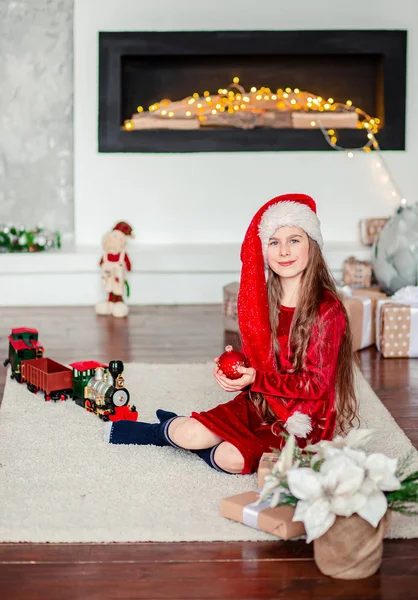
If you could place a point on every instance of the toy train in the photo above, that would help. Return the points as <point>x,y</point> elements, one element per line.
<point>96,387</point>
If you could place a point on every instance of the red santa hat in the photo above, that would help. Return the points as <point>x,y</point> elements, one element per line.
<point>297,210</point>
<point>124,228</point>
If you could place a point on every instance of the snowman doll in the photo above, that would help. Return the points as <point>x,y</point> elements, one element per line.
<point>114,263</point>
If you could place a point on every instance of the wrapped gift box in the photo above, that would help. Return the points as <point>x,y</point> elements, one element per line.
<point>370,230</point>
<point>357,272</point>
<point>361,306</point>
<point>397,328</point>
<point>230,295</point>
<point>264,468</point>
<point>277,521</point>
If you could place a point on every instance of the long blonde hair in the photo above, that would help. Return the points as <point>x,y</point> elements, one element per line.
<point>315,280</point>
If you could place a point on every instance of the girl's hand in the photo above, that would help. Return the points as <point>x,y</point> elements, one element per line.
<point>234,385</point>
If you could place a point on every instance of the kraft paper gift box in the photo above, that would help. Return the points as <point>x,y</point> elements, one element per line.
<point>265,466</point>
<point>277,521</point>
<point>397,324</point>
<point>361,305</point>
<point>357,272</point>
<point>370,230</point>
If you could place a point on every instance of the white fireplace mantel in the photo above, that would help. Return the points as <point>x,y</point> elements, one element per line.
<point>161,274</point>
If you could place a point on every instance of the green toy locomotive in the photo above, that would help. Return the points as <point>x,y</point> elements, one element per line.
<point>23,345</point>
<point>102,390</point>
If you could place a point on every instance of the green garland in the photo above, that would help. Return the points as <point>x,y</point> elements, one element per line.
<point>20,239</point>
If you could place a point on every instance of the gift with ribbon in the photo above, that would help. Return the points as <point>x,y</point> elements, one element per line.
<point>397,324</point>
<point>357,272</point>
<point>265,466</point>
<point>246,509</point>
<point>361,304</point>
<point>370,230</point>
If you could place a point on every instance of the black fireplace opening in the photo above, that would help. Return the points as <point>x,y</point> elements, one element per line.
<point>138,69</point>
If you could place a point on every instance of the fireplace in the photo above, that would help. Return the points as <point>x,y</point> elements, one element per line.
<point>364,69</point>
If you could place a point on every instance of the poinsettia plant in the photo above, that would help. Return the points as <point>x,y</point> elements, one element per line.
<point>337,478</point>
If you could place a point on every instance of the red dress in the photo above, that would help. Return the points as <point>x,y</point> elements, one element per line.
<point>239,422</point>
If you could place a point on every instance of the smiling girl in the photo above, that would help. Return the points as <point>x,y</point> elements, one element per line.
<point>296,335</point>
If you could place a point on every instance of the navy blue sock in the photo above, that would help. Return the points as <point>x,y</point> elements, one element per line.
<point>142,434</point>
<point>208,454</point>
<point>164,415</point>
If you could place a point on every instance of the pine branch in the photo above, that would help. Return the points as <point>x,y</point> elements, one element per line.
<point>288,499</point>
<point>404,463</point>
<point>407,493</point>
<point>411,477</point>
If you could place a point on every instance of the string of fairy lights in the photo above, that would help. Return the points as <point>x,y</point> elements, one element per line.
<point>379,163</point>
<point>234,100</point>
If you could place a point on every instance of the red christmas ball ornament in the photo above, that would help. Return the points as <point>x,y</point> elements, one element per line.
<point>229,362</point>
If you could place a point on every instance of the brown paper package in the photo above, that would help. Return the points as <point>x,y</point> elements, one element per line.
<point>354,308</point>
<point>357,272</point>
<point>277,521</point>
<point>394,330</point>
<point>370,230</point>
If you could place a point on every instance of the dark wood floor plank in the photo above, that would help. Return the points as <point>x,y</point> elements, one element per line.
<point>132,581</point>
<point>180,552</point>
<point>157,552</point>
<point>257,580</point>
<point>191,571</point>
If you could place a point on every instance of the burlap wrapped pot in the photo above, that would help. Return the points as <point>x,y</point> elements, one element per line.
<point>351,548</point>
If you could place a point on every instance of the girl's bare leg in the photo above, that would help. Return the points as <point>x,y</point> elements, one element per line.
<point>229,458</point>
<point>188,433</point>
<point>191,435</point>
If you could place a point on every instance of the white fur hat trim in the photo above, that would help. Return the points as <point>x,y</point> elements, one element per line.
<point>299,424</point>
<point>287,213</point>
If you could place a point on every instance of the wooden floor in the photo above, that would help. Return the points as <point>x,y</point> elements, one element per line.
<point>193,571</point>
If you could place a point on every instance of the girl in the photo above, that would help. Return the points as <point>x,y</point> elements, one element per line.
<point>296,335</point>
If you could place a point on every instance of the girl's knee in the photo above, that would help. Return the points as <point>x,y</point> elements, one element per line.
<point>229,458</point>
<point>190,434</point>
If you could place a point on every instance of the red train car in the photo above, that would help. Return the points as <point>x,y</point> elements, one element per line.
<point>50,377</point>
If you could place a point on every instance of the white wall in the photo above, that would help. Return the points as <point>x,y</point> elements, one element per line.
<point>36,114</point>
<point>210,198</point>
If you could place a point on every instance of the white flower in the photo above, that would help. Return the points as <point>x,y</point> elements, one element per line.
<point>382,471</point>
<point>380,476</point>
<point>313,507</point>
<point>356,438</point>
<point>374,508</point>
<point>323,495</point>
<point>379,469</point>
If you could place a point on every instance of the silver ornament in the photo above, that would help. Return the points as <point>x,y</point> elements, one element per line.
<point>395,261</point>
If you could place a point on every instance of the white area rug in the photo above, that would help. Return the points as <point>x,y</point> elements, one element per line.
<point>59,482</point>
